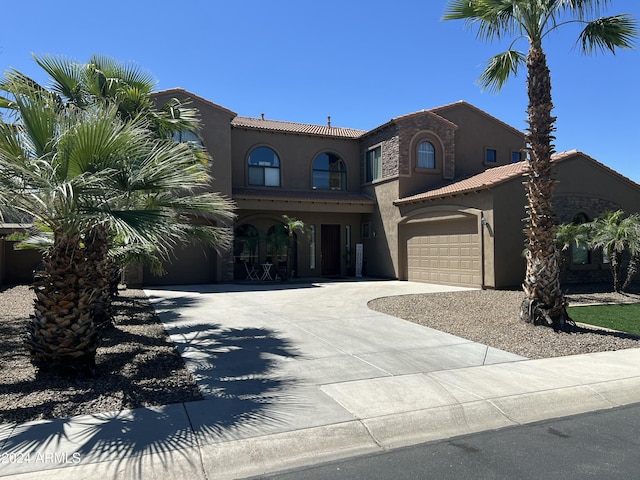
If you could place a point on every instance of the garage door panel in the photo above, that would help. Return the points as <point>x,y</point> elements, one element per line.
<point>445,252</point>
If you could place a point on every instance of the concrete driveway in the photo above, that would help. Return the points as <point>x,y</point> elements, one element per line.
<point>299,374</point>
<point>295,374</point>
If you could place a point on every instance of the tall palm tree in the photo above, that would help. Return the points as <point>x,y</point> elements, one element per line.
<point>533,20</point>
<point>88,176</point>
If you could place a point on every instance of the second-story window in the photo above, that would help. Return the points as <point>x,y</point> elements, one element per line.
<point>426,155</point>
<point>373,167</point>
<point>329,172</point>
<point>264,167</point>
<point>186,137</point>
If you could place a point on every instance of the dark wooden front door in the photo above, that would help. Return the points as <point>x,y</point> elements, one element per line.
<point>330,249</point>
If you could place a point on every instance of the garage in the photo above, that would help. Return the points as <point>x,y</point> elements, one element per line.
<point>444,251</point>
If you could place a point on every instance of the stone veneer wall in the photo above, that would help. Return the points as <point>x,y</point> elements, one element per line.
<point>566,208</point>
<point>412,125</point>
<point>387,138</point>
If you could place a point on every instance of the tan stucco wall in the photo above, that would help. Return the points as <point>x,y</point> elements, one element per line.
<point>509,264</point>
<point>580,177</point>
<point>215,135</point>
<point>583,186</point>
<point>381,248</point>
<point>476,132</point>
<point>297,154</point>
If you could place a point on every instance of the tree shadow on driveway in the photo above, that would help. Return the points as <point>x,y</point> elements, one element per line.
<point>236,368</point>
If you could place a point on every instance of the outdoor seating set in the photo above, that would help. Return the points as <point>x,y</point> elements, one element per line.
<point>263,272</point>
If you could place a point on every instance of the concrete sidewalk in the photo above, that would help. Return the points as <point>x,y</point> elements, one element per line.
<point>304,373</point>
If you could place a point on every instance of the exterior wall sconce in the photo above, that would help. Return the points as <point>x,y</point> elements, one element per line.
<point>485,223</point>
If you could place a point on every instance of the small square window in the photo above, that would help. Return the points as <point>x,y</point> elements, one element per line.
<point>490,155</point>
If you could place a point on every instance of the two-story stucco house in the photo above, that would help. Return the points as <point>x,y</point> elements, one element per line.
<point>433,196</point>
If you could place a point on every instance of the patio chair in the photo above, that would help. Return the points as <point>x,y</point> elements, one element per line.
<point>252,273</point>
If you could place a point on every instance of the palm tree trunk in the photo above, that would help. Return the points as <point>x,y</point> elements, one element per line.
<point>615,258</point>
<point>100,271</point>
<point>632,271</point>
<point>62,335</point>
<point>544,302</point>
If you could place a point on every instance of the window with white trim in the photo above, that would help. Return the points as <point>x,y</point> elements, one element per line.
<point>426,155</point>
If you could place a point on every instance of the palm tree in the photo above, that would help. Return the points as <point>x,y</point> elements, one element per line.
<point>128,89</point>
<point>87,176</point>
<point>292,225</point>
<point>126,85</point>
<point>614,234</point>
<point>533,20</point>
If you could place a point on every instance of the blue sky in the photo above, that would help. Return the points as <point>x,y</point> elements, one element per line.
<point>361,62</point>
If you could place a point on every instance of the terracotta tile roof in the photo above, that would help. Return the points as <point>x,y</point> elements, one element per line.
<point>495,176</point>
<point>301,128</point>
<point>487,179</point>
<point>248,193</point>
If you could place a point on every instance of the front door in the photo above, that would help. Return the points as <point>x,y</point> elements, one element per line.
<point>330,249</point>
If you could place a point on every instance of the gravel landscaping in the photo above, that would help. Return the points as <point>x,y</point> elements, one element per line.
<point>137,365</point>
<point>490,317</point>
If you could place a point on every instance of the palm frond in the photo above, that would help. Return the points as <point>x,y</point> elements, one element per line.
<point>175,116</point>
<point>499,68</point>
<point>66,76</point>
<point>131,74</point>
<point>608,33</point>
<point>492,18</point>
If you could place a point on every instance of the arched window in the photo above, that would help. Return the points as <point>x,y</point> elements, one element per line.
<point>277,241</point>
<point>329,172</point>
<point>246,240</point>
<point>426,155</point>
<point>264,167</point>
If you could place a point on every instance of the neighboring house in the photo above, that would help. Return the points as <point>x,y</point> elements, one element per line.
<point>433,196</point>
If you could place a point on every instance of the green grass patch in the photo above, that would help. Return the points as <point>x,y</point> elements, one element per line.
<point>622,317</point>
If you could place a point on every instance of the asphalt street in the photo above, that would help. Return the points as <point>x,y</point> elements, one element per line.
<point>602,445</point>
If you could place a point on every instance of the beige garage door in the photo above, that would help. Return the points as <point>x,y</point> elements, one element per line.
<point>446,252</point>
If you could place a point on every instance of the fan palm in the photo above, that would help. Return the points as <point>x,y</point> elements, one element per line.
<point>128,89</point>
<point>89,176</point>
<point>615,234</point>
<point>634,251</point>
<point>533,20</point>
